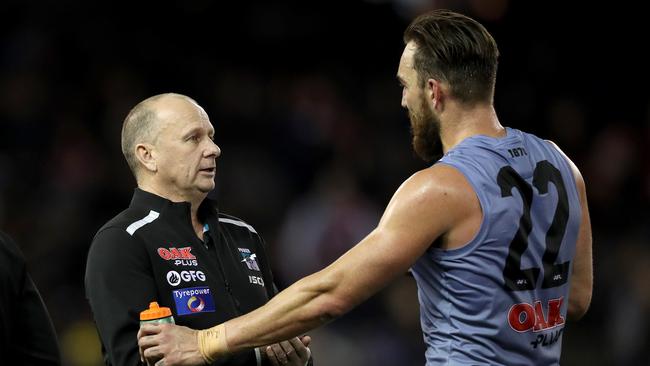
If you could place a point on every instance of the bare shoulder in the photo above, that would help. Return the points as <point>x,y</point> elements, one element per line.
<point>440,193</point>
<point>438,181</point>
<point>576,172</point>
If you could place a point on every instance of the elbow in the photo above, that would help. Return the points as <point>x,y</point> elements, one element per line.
<point>329,301</point>
<point>578,306</point>
<point>336,308</point>
<point>330,309</point>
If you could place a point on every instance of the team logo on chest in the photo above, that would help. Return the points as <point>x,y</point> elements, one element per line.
<point>193,300</point>
<point>175,278</point>
<point>179,256</point>
<point>249,258</point>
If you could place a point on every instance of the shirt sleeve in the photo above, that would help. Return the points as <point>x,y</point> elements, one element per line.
<point>119,285</point>
<point>28,334</point>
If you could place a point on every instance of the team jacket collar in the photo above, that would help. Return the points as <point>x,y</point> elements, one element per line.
<point>149,201</point>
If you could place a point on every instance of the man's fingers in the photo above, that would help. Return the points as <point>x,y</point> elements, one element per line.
<point>287,347</point>
<point>301,350</point>
<point>293,357</point>
<point>148,342</point>
<point>279,353</point>
<point>149,329</point>
<point>152,355</point>
<point>306,340</point>
<point>271,356</point>
<point>144,343</point>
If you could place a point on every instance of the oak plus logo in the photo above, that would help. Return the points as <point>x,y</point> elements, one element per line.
<point>176,278</point>
<point>547,326</point>
<point>179,256</point>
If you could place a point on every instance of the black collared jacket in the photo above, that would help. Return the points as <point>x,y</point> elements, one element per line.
<point>150,252</point>
<point>27,335</point>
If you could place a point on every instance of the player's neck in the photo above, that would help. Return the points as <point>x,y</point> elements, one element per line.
<point>459,123</point>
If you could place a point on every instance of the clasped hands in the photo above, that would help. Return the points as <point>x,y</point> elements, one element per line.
<point>174,345</point>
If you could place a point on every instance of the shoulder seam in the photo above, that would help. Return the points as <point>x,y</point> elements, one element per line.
<point>151,217</point>
<point>237,222</point>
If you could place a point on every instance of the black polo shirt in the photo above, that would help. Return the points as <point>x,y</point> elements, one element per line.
<point>150,252</point>
<point>27,336</point>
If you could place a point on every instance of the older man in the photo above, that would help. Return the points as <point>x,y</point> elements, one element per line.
<point>171,245</point>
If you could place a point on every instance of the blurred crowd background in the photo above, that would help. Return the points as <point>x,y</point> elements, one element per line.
<point>307,112</point>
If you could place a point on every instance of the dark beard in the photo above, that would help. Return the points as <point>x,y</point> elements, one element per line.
<point>425,129</point>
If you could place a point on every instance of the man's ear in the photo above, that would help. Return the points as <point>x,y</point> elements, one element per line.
<point>435,92</point>
<point>145,154</point>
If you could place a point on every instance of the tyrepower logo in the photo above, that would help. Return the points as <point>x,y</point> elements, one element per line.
<point>180,256</point>
<point>175,278</point>
<point>193,300</point>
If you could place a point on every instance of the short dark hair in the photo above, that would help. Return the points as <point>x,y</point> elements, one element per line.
<point>456,49</point>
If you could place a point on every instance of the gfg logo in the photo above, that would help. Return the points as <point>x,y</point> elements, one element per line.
<point>174,278</point>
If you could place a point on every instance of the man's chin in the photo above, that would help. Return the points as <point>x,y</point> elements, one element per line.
<point>206,187</point>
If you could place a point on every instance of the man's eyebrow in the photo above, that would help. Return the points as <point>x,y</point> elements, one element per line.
<point>401,80</point>
<point>191,131</point>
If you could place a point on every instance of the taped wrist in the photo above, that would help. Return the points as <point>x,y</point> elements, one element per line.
<point>212,343</point>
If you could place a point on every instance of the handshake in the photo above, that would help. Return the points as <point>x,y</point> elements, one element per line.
<point>162,343</point>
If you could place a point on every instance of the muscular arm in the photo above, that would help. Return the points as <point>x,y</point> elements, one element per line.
<point>422,209</point>
<point>582,275</point>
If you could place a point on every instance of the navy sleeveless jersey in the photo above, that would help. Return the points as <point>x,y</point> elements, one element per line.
<point>502,298</point>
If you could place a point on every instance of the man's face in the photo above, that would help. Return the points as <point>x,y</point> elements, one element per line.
<point>184,149</point>
<point>425,125</point>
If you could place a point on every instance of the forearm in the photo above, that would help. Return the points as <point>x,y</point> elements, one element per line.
<point>307,304</point>
<point>292,312</point>
<point>316,299</point>
<point>579,296</point>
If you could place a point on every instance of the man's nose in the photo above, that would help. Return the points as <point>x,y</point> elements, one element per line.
<point>213,150</point>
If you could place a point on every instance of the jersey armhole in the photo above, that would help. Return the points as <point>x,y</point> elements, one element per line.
<point>480,234</point>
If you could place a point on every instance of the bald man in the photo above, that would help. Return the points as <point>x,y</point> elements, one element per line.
<point>172,245</point>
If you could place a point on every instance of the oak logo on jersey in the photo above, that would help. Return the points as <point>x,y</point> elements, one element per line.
<point>249,258</point>
<point>193,300</point>
<point>180,256</point>
<point>175,278</point>
<point>525,317</point>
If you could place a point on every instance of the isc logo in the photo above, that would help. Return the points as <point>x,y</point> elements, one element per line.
<point>524,317</point>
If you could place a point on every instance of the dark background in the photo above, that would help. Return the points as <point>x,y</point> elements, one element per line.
<point>306,108</point>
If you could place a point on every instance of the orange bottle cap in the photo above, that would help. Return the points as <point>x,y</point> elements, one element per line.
<point>155,312</point>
